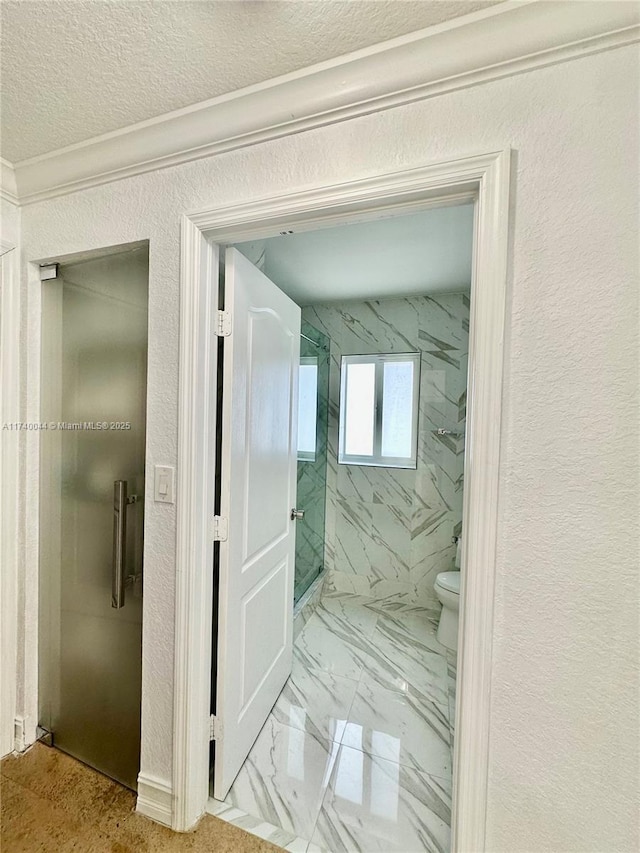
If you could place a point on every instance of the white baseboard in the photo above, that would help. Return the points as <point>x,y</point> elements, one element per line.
<point>19,737</point>
<point>24,733</point>
<point>155,799</point>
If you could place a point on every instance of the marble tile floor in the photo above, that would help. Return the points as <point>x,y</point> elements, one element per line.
<point>357,752</point>
<point>51,802</point>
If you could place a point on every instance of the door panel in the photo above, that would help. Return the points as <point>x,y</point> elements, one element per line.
<point>261,602</point>
<point>258,471</point>
<point>94,369</point>
<point>267,439</point>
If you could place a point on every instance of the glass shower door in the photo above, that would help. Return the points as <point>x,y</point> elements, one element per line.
<point>92,510</point>
<point>313,414</point>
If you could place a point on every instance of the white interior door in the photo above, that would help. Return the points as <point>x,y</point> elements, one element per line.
<point>258,472</point>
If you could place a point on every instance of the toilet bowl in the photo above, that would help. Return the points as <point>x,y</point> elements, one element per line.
<point>447,588</point>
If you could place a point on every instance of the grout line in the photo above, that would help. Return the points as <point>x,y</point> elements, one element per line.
<point>443,707</point>
<point>339,745</point>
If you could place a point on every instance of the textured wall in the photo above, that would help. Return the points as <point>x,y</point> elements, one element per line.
<point>389,529</point>
<point>9,222</point>
<point>563,772</point>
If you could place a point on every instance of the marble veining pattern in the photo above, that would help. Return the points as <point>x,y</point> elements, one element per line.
<point>284,778</point>
<point>378,805</point>
<point>389,531</point>
<point>306,605</point>
<point>357,752</point>
<point>400,727</point>
<point>315,701</point>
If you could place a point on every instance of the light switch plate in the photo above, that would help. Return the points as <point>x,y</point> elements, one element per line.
<point>163,486</point>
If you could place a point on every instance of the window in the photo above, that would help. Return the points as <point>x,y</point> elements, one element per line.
<point>307,408</point>
<point>379,410</point>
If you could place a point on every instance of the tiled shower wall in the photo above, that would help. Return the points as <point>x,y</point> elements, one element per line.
<point>389,530</point>
<point>311,494</point>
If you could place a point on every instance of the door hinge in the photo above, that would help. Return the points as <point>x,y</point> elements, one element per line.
<point>48,272</point>
<point>223,324</point>
<point>220,528</point>
<point>215,728</point>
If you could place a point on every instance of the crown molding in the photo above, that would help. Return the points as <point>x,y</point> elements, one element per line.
<point>8,188</point>
<point>507,39</point>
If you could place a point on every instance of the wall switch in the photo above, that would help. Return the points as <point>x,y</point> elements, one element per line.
<point>163,489</point>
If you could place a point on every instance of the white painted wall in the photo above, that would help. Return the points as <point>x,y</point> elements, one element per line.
<point>564,744</point>
<point>9,222</point>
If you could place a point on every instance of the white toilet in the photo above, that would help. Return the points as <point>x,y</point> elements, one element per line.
<point>447,588</point>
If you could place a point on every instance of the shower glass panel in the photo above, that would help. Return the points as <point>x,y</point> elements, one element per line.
<point>313,413</point>
<point>94,371</point>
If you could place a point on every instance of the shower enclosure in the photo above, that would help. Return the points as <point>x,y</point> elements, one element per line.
<point>312,456</point>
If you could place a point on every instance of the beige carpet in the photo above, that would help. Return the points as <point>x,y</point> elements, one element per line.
<point>51,802</point>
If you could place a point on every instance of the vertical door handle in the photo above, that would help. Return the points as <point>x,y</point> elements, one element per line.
<point>119,543</point>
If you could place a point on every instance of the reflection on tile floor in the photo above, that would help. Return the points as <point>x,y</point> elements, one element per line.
<point>357,752</point>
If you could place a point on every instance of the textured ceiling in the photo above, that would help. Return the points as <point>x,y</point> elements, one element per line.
<point>73,69</point>
<point>425,252</point>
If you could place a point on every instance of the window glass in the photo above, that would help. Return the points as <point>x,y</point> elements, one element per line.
<point>359,409</point>
<point>307,408</point>
<point>397,408</point>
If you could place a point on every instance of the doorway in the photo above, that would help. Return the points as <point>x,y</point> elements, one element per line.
<point>483,178</point>
<point>93,410</point>
<point>368,708</point>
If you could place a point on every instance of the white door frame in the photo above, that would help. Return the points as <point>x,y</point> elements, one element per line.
<point>9,477</point>
<point>485,177</point>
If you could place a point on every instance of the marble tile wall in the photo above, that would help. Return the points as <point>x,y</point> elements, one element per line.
<point>388,530</point>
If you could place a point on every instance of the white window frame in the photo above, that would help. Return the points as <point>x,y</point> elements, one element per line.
<point>377,459</point>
